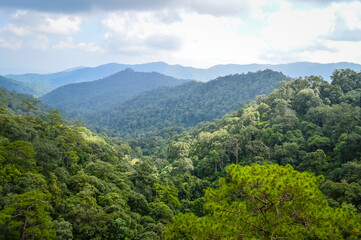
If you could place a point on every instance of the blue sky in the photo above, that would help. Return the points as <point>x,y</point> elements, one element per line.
<point>48,36</point>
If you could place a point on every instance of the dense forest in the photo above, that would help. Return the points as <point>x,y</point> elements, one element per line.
<point>184,106</point>
<point>284,166</point>
<point>19,87</point>
<point>103,93</point>
<point>64,182</point>
<point>308,124</point>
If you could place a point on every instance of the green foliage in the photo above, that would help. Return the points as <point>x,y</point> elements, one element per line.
<point>96,95</point>
<point>65,182</point>
<point>161,212</point>
<point>20,87</point>
<point>26,216</point>
<point>185,105</point>
<point>16,103</point>
<point>64,229</point>
<point>168,194</point>
<point>307,123</point>
<point>266,202</point>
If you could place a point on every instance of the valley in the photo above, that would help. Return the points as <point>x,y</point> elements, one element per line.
<point>168,158</point>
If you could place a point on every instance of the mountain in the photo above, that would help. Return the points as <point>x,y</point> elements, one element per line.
<point>15,104</point>
<point>54,80</point>
<point>80,74</point>
<point>186,105</point>
<point>83,74</point>
<point>19,87</point>
<point>285,166</point>
<point>308,125</point>
<point>65,182</point>
<point>100,94</point>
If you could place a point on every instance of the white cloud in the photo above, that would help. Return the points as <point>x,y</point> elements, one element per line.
<point>44,23</point>
<point>139,33</point>
<point>19,13</point>
<point>69,44</point>
<point>289,29</point>
<point>13,29</point>
<point>40,42</point>
<point>27,29</point>
<point>190,32</point>
<point>8,45</point>
<point>58,25</point>
<point>347,23</point>
<point>211,7</point>
<point>26,22</point>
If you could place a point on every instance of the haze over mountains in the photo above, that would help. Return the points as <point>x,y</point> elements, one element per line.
<point>183,106</point>
<point>17,86</point>
<point>99,94</point>
<point>83,74</point>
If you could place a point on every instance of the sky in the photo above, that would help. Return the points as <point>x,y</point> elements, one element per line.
<point>53,35</point>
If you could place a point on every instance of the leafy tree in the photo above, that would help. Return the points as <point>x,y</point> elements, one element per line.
<point>168,194</point>
<point>30,104</point>
<point>138,203</point>
<point>54,120</point>
<point>119,230</point>
<point>144,178</point>
<point>347,79</point>
<point>27,216</point>
<point>64,229</point>
<point>315,162</point>
<point>2,103</point>
<point>342,192</point>
<point>267,202</point>
<point>161,212</point>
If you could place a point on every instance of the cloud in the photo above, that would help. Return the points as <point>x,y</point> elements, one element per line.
<point>24,22</point>
<point>140,33</point>
<point>69,44</point>
<point>8,45</point>
<point>322,3</point>
<point>302,53</point>
<point>213,7</point>
<point>346,24</point>
<point>290,29</point>
<point>164,42</point>
<point>343,33</point>
<point>29,29</point>
<point>71,6</point>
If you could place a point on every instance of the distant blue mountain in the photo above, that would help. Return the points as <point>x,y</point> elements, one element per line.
<point>17,86</point>
<point>83,74</point>
<point>100,94</point>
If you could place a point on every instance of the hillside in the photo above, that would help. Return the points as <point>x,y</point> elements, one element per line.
<point>186,105</point>
<point>14,103</point>
<point>19,87</point>
<point>65,182</point>
<point>100,94</point>
<point>255,172</point>
<point>270,156</point>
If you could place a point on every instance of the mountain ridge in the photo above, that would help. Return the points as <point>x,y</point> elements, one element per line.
<point>84,74</point>
<point>185,105</point>
<point>20,87</point>
<point>103,92</point>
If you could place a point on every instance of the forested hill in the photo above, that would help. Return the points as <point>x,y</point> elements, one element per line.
<point>186,105</point>
<point>17,86</point>
<point>100,94</point>
<point>254,174</point>
<point>64,182</point>
<point>83,74</point>
<point>22,104</point>
<point>309,124</point>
